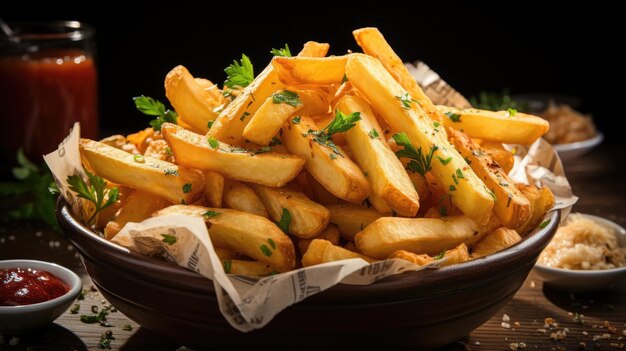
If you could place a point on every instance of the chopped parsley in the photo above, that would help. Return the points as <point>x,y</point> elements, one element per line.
<point>171,172</point>
<point>373,133</point>
<point>275,141</point>
<point>545,223</point>
<point>440,256</point>
<point>287,97</point>
<point>333,156</point>
<point>186,188</point>
<point>406,101</point>
<point>285,221</point>
<point>272,243</point>
<point>420,162</point>
<point>228,265</point>
<point>168,151</point>
<point>284,52</point>
<point>265,250</point>
<point>169,239</point>
<point>262,150</point>
<point>152,107</point>
<point>459,173</point>
<point>127,327</point>
<point>75,308</point>
<point>101,317</point>
<point>340,123</point>
<point>210,214</point>
<point>296,120</point>
<point>239,74</point>
<point>452,188</point>
<point>453,116</point>
<point>105,340</point>
<point>511,111</point>
<point>344,78</point>
<point>444,161</point>
<point>213,143</point>
<point>95,192</point>
<point>244,115</point>
<point>210,124</point>
<point>139,159</point>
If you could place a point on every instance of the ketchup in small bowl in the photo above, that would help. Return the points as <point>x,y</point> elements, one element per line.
<point>26,286</point>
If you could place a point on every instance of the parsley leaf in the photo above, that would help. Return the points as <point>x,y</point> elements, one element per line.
<point>213,143</point>
<point>286,97</point>
<point>545,223</point>
<point>373,133</point>
<point>210,214</point>
<point>187,187</point>
<point>285,221</point>
<point>169,239</point>
<point>406,101</point>
<point>265,250</point>
<point>444,161</point>
<point>152,107</point>
<point>511,111</point>
<point>296,120</point>
<point>95,192</point>
<point>420,162</point>
<point>342,122</point>
<point>228,264</point>
<point>453,116</point>
<point>285,52</point>
<point>240,74</point>
<point>275,141</point>
<point>440,256</point>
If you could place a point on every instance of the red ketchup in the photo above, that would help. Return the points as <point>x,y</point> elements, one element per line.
<point>26,286</point>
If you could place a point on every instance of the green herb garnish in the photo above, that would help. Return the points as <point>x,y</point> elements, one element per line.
<point>186,188</point>
<point>440,256</point>
<point>285,221</point>
<point>511,111</point>
<point>275,141</point>
<point>239,74</point>
<point>210,214</point>
<point>244,115</point>
<point>169,239</point>
<point>373,133</point>
<point>75,308</point>
<point>284,52</point>
<point>228,265</point>
<point>210,124</point>
<point>173,172</point>
<point>272,243</point>
<point>544,223</point>
<point>95,192</point>
<point>139,159</point>
<point>127,327</point>
<point>444,161</point>
<point>101,317</point>
<point>340,123</point>
<point>262,150</point>
<point>453,116</point>
<point>152,107</point>
<point>287,97</point>
<point>213,143</point>
<point>452,188</point>
<point>105,340</point>
<point>266,250</point>
<point>296,120</point>
<point>419,163</point>
<point>406,101</point>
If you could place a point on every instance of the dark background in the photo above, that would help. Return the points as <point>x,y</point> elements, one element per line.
<point>524,47</point>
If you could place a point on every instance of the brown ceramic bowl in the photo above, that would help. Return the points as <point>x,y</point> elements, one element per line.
<point>422,310</point>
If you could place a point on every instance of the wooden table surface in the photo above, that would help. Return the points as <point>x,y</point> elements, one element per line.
<point>597,178</point>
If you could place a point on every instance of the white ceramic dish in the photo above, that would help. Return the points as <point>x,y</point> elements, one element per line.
<point>571,151</point>
<point>18,319</point>
<point>575,280</point>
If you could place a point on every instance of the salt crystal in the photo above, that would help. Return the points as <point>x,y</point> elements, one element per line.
<point>585,333</point>
<point>506,325</point>
<point>57,243</point>
<point>12,237</point>
<point>38,234</point>
<point>532,283</point>
<point>477,342</point>
<point>505,318</point>
<point>543,331</point>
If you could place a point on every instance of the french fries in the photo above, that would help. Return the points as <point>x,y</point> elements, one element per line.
<point>307,217</point>
<point>249,268</point>
<point>541,200</point>
<point>193,103</point>
<point>323,251</point>
<point>387,97</point>
<point>498,153</point>
<point>351,219</point>
<point>241,197</point>
<point>170,181</point>
<point>193,150</point>
<point>268,119</point>
<point>457,255</point>
<point>310,70</point>
<point>214,190</point>
<point>252,235</point>
<point>337,173</point>
<point>498,240</point>
<point>418,235</point>
<point>383,169</point>
<point>511,207</point>
<point>139,205</point>
<point>501,126</point>
<point>331,233</point>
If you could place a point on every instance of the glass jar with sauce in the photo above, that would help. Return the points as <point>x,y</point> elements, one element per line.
<point>48,81</point>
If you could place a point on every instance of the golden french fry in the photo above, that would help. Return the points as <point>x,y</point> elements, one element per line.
<point>351,219</point>
<point>248,268</point>
<point>230,123</point>
<point>310,70</point>
<point>214,190</point>
<point>308,218</point>
<point>241,197</point>
<point>495,241</point>
<point>501,126</point>
<point>418,235</point>
<point>315,102</point>
<point>387,97</point>
<point>373,43</point>
<point>541,201</point>
<point>108,214</point>
<point>418,259</point>
<point>140,205</point>
<point>194,150</point>
<point>141,139</point>
<point>350,245</point>
<point>193,104</point>
<point>379,204</point>
<point>159,149</point>
<point>511,207</point>
<point>499,154</point>
<point>384,171</point>
<point>323,251</point>
<point>225,253</point>
<point>321,195</point>
<point>212,89</point>
<point>457,255</point>
<point>335,172</point>
<point>330,233</point>
<point>251,235</point>
<point>174,183</point>
<point>268,119</point>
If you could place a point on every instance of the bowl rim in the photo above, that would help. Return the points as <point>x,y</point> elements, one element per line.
<point>583,144</point>
<point>618,229</point>
<point>75,284</point>
<point>532,244</point>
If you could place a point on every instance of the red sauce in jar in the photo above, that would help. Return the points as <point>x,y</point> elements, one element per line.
<point>20,286</point>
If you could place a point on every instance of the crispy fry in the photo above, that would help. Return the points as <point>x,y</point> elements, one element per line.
<point>351,219</point>
<point>499,154</point>
<point>212,89</point>
<point>140,205</point>
<point>511,207</point>
<point>350,245</point>
<point>541,201</point>
<point>193,150</point>
<point>500,126</point>
<point>252,235</point>
<point>498,240</point>
<point>214,190</point>
<point>457,255</point>
<point>323,251</point>
<point>268,119</point>
<point>379,204</point>
<point>141,139</point>
<point>310,70</point>
<point>420,260</point>
<point>174,183</point>
<point>331,233</point>
<point>314,49</point>
<point>370,78</point>
<point>108,213</point>
<point>321,195</point>
<point>193,104</point>
<point>373,43</point>
<point>241,197</point>
<point>315,102</point>
<point>248,268</point>
<point>159,149</point>
<point>418,235</point>
<point>384,171</point>
<point>225,253</point>
<point>337,173</point>
<point>308,218</point>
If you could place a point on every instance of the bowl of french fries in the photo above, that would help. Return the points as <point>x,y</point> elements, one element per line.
<point>316,159</point>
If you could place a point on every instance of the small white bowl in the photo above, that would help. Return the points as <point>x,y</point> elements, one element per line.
<point>18,319</point>
<point>578,280</point>
<point>571,151</point>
